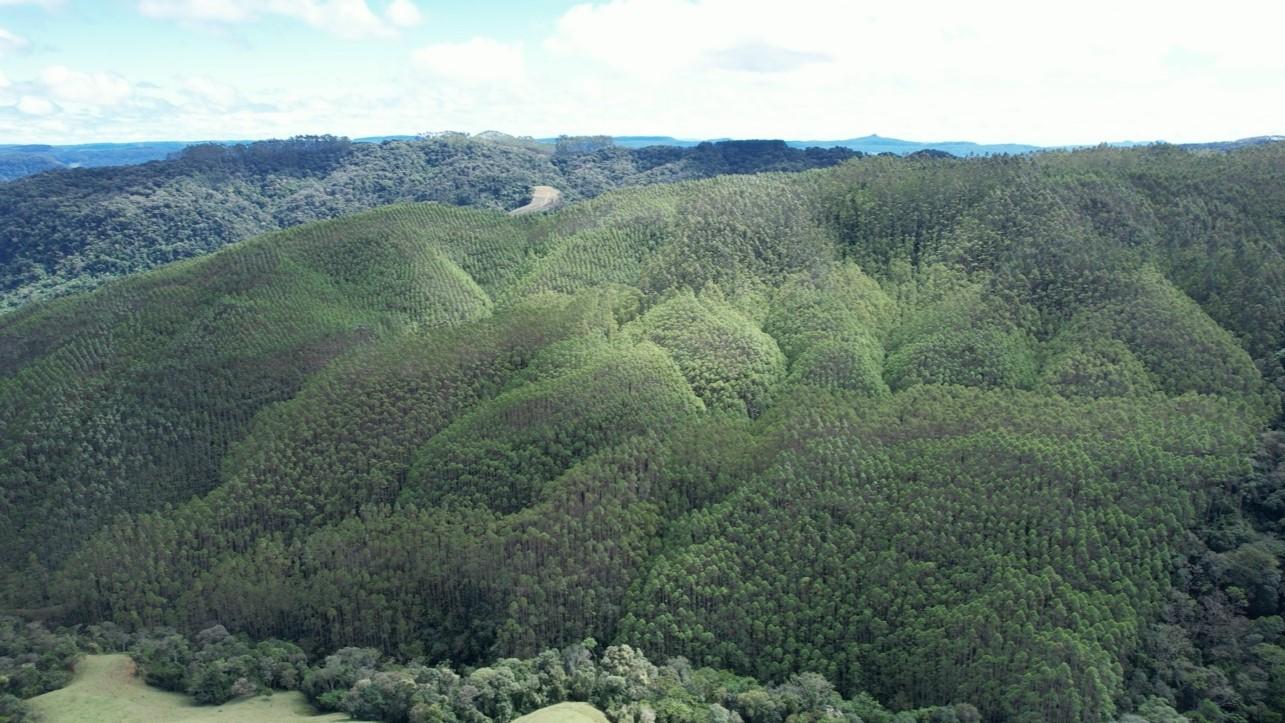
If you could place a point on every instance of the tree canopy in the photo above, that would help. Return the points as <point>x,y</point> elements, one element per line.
<point>998,437</point>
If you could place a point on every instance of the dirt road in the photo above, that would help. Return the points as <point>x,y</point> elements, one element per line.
<point>542,199</point>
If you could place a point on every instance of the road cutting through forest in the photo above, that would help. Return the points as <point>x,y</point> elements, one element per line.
<point>543,198</point>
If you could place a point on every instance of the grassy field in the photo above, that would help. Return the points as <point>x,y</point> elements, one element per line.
<point>565,713</point>
<point>105,690</point>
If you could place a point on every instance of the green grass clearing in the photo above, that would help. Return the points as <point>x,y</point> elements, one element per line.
<point>565,713</point>
<point>105,690</point>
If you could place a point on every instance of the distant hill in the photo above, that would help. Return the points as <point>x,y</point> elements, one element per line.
<point>644,141</point>
<point>874,145</point>
<point>17,161</point>
<point>381,139</point>
<point>74,229</point>
<point>1232,145</point>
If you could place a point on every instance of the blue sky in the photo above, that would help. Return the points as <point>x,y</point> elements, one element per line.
<point>990,71</point>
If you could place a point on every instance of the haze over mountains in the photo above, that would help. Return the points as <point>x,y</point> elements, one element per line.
<point>872,144</point>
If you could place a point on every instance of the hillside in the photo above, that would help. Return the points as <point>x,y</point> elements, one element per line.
<point>986,431</point>
<point>18,161</point>
<point>73,230</point>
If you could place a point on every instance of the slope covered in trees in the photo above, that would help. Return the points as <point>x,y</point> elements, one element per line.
<point>73,230</point>
<point>989,432</point>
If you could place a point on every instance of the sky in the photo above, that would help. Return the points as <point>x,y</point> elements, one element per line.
<point>76,71</point>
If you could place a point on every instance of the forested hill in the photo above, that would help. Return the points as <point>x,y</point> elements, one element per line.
<point>72,230</point>
<point>17,161</point>
<point>992,431</point>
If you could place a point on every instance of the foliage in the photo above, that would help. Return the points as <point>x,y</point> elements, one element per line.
<point>73,230</point>
<point>216,666</point>
<point>727,360</point>
<point>621,681</point>
<point>916,431</point>
<point>33,660</point>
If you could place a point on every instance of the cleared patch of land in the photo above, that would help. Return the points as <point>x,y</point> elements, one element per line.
<point>565,713</point>
<point>105,690</point>
<point>543,198</point>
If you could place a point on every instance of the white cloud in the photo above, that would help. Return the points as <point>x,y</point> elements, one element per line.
<point>92,89</point>
<point>218,11</point>
<point>31,105</point>
<point>210,91</point>
<point>403,14</point>
<point>658,38</point>
<point>993,70</point>
<point>4,80</point>
<point>12,42</point>
<point>479,59</point>
<point>345,18</point>
<point>626,34</point>
<point>46,4</point>
<point>990,70</point>
<point>760,57</point>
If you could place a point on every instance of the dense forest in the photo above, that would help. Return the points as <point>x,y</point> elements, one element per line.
<point>72,230</point>
<point>995,438</point>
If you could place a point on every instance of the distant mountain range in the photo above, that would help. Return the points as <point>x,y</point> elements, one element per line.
<point>872,144</point>
<point>1228,145</point>
<point>18,160</point>
<point>876,144</point>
